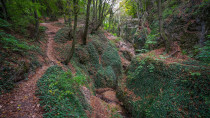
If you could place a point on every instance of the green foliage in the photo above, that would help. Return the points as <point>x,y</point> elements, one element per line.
<point>105,78</point>
<point>10,43</point>
<point>100,81</point>
<point>4,24</point>
<point>130,8</point>
<point>99,45</point>
<point>94,57</point>
<point>62,35</point>
<point>110,57</point>
<point>59,93</point>
<point>21,12</point>
<point>204,54</point>
<point>170,11</point>
<point>167,90</point>
<point>151,40</point>
<point>111,79</point>
<point>42,28</point>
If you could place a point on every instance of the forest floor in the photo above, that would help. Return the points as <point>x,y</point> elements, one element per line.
<point>22,102</point>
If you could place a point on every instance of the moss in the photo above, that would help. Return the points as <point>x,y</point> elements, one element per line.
<point>173,90</point>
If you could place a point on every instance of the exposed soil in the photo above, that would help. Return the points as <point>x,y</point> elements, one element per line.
<point>22,102</point>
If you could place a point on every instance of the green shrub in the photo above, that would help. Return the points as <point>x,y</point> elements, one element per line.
<point>4,24</point>
<point>42,28</point>
<point>204,54</point>
<point>60,95</point>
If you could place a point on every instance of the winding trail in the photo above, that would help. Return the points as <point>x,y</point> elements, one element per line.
<point>21,102</point>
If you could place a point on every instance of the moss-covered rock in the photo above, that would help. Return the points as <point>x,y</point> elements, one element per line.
<point>166,90</point>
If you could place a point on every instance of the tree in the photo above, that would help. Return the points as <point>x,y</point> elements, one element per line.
<point>162,33</point>
<point>86,23</point>
<point>36,22</point>
<point>4,9</point>
<point>76,11</point>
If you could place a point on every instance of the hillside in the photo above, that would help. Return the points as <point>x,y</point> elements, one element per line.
<point>104,59</point>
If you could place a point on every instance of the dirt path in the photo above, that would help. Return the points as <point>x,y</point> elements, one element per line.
<point>22,102</point>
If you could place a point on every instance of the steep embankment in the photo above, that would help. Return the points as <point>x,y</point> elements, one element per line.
<point>160,86</point>
<point>22,102</point>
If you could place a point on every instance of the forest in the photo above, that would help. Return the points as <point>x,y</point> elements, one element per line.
<point>104,58</point>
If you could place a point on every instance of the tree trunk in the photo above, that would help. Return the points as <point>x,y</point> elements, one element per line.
<point>4,9</point>
<point>162,33</point>
<point>94,10</point>
<point>203,32</point>
<point>36,23</point>
<point>69,20</point>
<point>74,33</point>
<point>160,16</point>
<point>87,23</point>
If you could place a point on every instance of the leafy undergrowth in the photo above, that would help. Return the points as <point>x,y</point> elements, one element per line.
<point>62,35</point>
<point>19,56</point>
<point>166,90</point>
<point>60,94</point>
<point>98,59</point>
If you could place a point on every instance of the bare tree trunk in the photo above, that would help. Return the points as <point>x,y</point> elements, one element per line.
<point>94,10</point>
<point>36,22</point>
<point>160,16</point>
<point>76,10</point>
<point>4,8</point>
<point>87,23</point>
<point>203,32</point>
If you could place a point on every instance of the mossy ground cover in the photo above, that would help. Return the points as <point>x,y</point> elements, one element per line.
<point>18,57</point>
<point>62,35</point>
<point>98,59</point>
<point>60,94</point>
<point>166,90</point>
